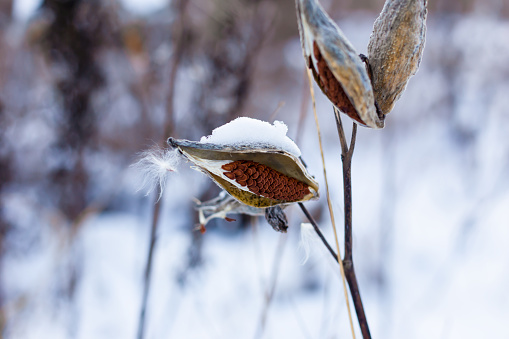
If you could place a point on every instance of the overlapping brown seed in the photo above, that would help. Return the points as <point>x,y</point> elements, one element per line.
<point>332,88</point>
<point>265,181</point>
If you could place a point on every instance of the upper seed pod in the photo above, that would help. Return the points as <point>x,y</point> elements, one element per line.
<point>336,66</point>
<point>395,48</point>
<point>256,175</point>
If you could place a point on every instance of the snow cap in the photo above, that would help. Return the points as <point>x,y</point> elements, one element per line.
<point>248,131</point>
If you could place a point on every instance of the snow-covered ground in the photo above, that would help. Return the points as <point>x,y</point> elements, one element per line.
<point>431,227</point>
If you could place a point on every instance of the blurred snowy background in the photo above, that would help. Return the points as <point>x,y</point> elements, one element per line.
<point>84,87</point>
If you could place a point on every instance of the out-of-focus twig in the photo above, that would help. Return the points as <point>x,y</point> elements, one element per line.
<point>303,108</point>
<point>318,231</point>
<point>271,287</point>
<point>168,127</point>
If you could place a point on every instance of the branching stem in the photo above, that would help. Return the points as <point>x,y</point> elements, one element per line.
<point>346,157</point>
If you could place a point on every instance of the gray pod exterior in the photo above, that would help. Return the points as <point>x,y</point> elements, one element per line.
<point>395,49</point>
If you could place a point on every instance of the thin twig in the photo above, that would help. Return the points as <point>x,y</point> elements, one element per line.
<point>329,204</point>
<point>276,111</point>
<point>318,231</point>
<point>168,128</point>
<point>148,265</point>
<point>271,287</point>
<point>304,104</point>
<point>346,157</point>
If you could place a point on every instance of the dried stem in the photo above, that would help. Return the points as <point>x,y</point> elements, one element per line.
<point>168,127</point>
<point>346,157</point>
<point>318,231</point>
<point>271,287</point>
<point>329,204</point>
<point>148,265</point>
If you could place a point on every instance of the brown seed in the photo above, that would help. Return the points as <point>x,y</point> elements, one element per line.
<point>253,189</point>
<point>333,88</point>
<point>265,181</point>
<point>229,167</point>
<point>229,175</point>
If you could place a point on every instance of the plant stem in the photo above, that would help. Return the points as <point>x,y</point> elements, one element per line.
<point>346,157</point>
<point>148,266</point>
<point>271,286</point>
<point>318,231</point>
<point>168,128</point>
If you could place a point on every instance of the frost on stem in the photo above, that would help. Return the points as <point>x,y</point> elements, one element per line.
<point>153,165</point>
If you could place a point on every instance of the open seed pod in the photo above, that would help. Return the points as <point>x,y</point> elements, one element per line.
<point>256,175</point>
<point>336,66</point>
<point>395,49</point>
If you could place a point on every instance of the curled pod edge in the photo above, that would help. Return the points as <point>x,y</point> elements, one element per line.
<point>321,39</point>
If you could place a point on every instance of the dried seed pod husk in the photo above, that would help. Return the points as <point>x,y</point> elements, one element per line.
<point>395,49</point>
<point>224,204</point>
<point>336,66</point>
<point>276,218</point>
<point>275,167</point>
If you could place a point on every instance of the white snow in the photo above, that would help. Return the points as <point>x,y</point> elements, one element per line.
<point>245,131</point>
<point>144,7</point>
<point>23,9</point>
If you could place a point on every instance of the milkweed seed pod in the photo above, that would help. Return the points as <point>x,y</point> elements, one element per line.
<point>395,49</point>
<point>336,66</point>
<point>256,175</point>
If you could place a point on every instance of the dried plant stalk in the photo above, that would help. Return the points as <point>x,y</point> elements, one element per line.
<point>395,49</point>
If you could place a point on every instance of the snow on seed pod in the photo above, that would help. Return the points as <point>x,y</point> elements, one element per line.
<point>395,49</point>
<point>257,171</point>
<point>336,66</point>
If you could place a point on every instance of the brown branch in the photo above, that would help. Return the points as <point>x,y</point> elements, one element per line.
<point>346,157</point>
<point>148,266</point>
<point>318,231</point>
<point>271,288</point>
<point>179,52</point>
<point>168,128</point>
